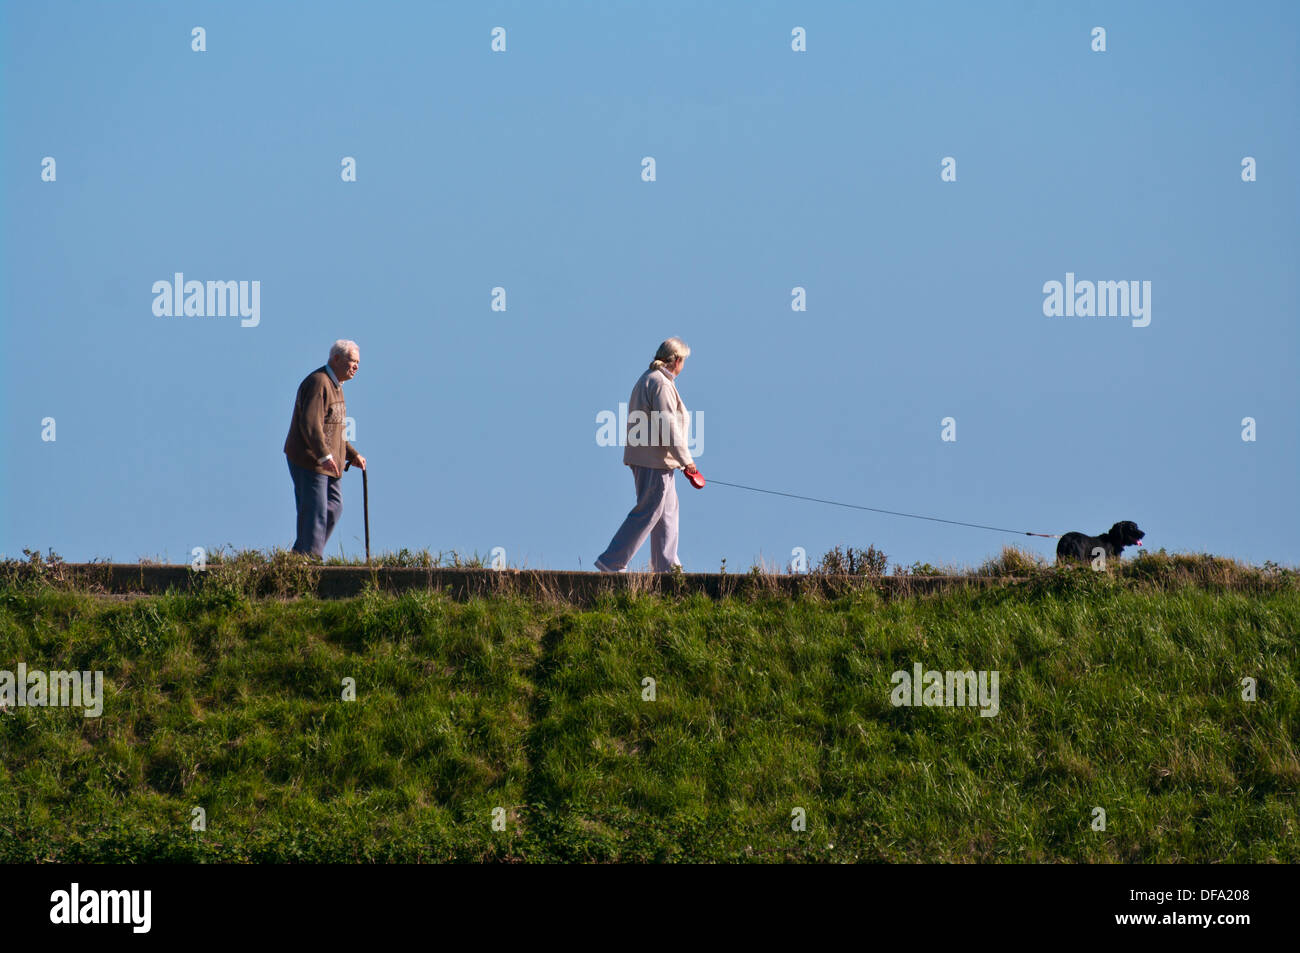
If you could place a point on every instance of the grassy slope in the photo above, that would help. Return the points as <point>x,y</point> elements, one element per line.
<point>1110,696</point>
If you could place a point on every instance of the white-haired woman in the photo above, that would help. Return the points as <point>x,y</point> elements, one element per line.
<point>658,428</point>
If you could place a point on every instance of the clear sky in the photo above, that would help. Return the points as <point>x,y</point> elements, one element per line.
<point>775,169</point>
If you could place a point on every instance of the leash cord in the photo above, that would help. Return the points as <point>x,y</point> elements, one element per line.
<point>854,506</point>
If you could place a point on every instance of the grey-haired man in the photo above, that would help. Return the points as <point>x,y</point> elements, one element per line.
<point>315,445</point>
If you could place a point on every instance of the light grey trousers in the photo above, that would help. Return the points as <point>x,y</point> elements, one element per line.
<point>654,516</point>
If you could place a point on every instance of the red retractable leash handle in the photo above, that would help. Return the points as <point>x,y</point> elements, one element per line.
<point>696,478</point>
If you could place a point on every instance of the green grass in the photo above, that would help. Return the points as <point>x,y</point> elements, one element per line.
<point>1113,695</point>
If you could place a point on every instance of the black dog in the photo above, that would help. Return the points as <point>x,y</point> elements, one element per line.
<point>1078,546</point>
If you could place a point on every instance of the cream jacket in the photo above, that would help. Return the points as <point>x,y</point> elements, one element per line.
<point>658,424</point>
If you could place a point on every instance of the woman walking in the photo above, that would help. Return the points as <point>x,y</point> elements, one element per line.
<point>658,427</point>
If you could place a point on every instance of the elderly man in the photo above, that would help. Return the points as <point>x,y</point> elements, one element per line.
<point>316,445</point>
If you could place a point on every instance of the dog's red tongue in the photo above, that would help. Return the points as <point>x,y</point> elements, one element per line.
<point>1139,542</point>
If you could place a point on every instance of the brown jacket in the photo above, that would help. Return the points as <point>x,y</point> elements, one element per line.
<point>317,427</point>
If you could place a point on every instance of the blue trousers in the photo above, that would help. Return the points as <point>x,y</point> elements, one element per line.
<point>320,503</point>
<point>654,518</point>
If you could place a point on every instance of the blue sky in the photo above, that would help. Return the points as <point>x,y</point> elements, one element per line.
<point>775,169</point>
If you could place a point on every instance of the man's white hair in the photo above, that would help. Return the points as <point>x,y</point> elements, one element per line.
<point>343,347</point>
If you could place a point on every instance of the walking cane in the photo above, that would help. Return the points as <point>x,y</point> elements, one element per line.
<point>365,503</point>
